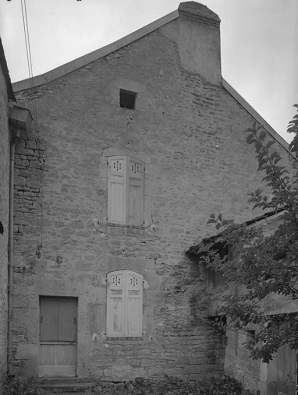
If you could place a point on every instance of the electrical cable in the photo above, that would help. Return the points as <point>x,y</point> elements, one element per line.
<point>35,113</point>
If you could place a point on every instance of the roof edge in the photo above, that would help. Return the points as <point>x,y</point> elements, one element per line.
<point>5,71</point>
<point>270,216</point>
<point>255,115</point>
<point>84,60</point>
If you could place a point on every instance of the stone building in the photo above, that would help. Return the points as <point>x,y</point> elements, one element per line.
<point>279,376</point>
<point>13,120</point>
<point>134,146</point>
<point>6,94</point>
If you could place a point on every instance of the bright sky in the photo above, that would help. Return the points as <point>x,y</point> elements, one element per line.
<point>259,42</point>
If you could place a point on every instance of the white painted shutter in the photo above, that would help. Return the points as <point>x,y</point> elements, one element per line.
<point>115,304</point>
<point>135,192</point>
<point>134,302</point>
<point>116,190</point>
<point>124,304</point>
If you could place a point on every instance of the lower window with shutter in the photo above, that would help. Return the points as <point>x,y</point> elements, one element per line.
<point>124,304</point>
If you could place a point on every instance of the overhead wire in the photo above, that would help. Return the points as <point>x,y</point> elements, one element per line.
<point>35,115</point>
<point>28,53</point>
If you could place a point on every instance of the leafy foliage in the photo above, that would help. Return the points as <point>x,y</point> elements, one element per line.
<point>171,385</point>
<point>13,385</point>
<point>267,261</point>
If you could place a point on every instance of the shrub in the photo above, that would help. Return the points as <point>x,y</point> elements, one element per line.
<point>13,385</point>
<point>172,386</point>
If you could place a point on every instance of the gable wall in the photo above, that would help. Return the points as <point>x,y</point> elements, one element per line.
<point>189,134</point>
<point>4,208</point>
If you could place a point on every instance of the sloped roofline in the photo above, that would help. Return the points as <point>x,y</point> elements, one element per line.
<point>255,115</point>
<point>6,73</point>
<point>269,217</point>
<point>84,60</point>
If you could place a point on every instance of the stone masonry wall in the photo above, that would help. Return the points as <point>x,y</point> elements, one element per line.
<point>29,158</point>
<point>4,207</point>
<point>190,135</point>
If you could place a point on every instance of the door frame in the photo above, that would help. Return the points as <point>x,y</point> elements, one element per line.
<point>76,299</point>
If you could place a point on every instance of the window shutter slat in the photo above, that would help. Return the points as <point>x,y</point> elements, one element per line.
<point>67,315</point>
<point>124,304</point>
<point>115,305</point>
<point>116,191</point>
<point>135,193</point>
<point>133,312</point>
<point>49,319</point>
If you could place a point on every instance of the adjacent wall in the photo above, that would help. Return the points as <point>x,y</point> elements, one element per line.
<point>4,206</point>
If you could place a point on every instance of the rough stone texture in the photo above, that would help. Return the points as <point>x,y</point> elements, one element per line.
<point>238,363</point>
<point>189,133</point>
<point>4,206</point>
<point>256,375</point>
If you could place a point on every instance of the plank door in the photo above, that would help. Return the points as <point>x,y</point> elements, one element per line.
<point>286,370</point>
<point>282,372</point>
<point>58,337</point>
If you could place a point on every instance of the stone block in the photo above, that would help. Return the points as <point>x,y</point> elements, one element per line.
<point>33,183</point>
<point>24,151</point>
<point>42,146</point>
<point>35,164</point>
<point>146,362</point>
<point>20,181</point>
<point>156,371</point>
<point>31,144</point>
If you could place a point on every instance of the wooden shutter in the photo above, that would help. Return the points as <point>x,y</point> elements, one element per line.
<point>116,190</point>
<point>124,304</point>
<point>125,191</point>
<point>49,319</point>
<point>115,304</point>
<point>67,317</point>
<point>135,192</point>
<point>134,301</point>
<point>58,319</point>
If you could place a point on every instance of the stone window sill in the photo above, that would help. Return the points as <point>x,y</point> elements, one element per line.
<point>141,227</point>
<point>126,339</point>
<point>128,230</point>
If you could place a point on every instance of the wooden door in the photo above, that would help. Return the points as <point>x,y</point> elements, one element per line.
<point>58,337</point>
<point>286,371</point>
<point>282,372</point>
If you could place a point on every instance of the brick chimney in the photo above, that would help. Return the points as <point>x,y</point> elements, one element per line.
<point>197,34</point>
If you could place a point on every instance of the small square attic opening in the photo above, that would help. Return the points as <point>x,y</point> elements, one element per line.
<point>127,99</point>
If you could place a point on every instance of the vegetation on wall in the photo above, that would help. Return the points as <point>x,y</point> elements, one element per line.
<point>14,385</point>
<point>267,261</point>
<point>170,385</point>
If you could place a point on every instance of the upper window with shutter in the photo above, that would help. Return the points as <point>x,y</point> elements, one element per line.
<point>124,304</point>
<point>125,191</point>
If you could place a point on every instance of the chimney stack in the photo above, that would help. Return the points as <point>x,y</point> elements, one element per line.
<point>197,34</point>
